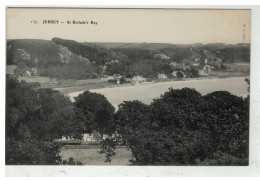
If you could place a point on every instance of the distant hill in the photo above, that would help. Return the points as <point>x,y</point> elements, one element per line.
<point>148,46</point>
<point>69,59</point>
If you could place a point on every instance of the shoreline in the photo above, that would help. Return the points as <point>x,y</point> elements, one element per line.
<point>147,92</point>
<point>154,83</point>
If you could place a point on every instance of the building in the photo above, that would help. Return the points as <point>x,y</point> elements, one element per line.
<point>137,80</point>
<point>28,74</point>
<point>117,77</point>
<point>195,64</point>
<point>94,137</point>
<point>174,64</point>
<point>162,76</point>
<point>203,74</point>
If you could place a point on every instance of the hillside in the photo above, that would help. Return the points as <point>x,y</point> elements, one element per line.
<point>68,59</point>
<point>49,59</point>
<point>30,49</point>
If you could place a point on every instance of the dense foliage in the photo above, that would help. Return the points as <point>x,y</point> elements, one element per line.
<point>73,70</point>
<point>237,54</point>
<point>31,152</point>
<point>36,117</point>
<point>182,127</point>
<point>97,111</point>
<point>30,124</point>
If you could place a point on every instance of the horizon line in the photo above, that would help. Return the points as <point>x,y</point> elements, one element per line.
<point>132,42</point>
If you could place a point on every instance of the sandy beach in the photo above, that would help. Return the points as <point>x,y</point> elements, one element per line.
<point>146,93</point>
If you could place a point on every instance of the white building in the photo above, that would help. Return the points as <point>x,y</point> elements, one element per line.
<point>28,74</point>
<point>138,80</point>
<point>202,73</point>
<point>94,137</point>
<point>162,76</point>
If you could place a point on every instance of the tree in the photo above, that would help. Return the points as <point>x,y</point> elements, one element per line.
<point>228,122</point>
<point>33,119</point>
<point>194,72</point>
<point>182,127</point>
<point>116,68</point>
<point>21,100</point>
<point>23,145</point>
<point>54,114</point>
<point>97,111</point>
<point>179,74</point>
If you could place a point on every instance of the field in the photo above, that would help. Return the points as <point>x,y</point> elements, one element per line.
<point>146,93</point>
<point>92,157</point>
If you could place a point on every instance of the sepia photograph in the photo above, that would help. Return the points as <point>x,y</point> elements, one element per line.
<point>127,87</point>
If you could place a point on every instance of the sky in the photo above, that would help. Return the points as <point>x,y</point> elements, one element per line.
<point>131,25</point>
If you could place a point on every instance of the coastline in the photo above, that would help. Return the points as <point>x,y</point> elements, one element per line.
<point>147,92</point>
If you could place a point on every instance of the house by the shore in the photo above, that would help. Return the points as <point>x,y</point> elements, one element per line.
<point>137,80</point>
<point>162,76</point>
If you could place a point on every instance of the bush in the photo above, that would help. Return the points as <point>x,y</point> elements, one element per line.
<point>194,72</point>
<point>112,81</point>
<point>179,75</point>
<point>122,80</point>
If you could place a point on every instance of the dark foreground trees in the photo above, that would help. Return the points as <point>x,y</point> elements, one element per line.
<point>98,112</point>
<point>182,127</point>
<point>36,117</point>
<point>30,123</point>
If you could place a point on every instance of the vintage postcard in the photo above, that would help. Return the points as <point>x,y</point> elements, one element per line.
<point>127,87</point>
